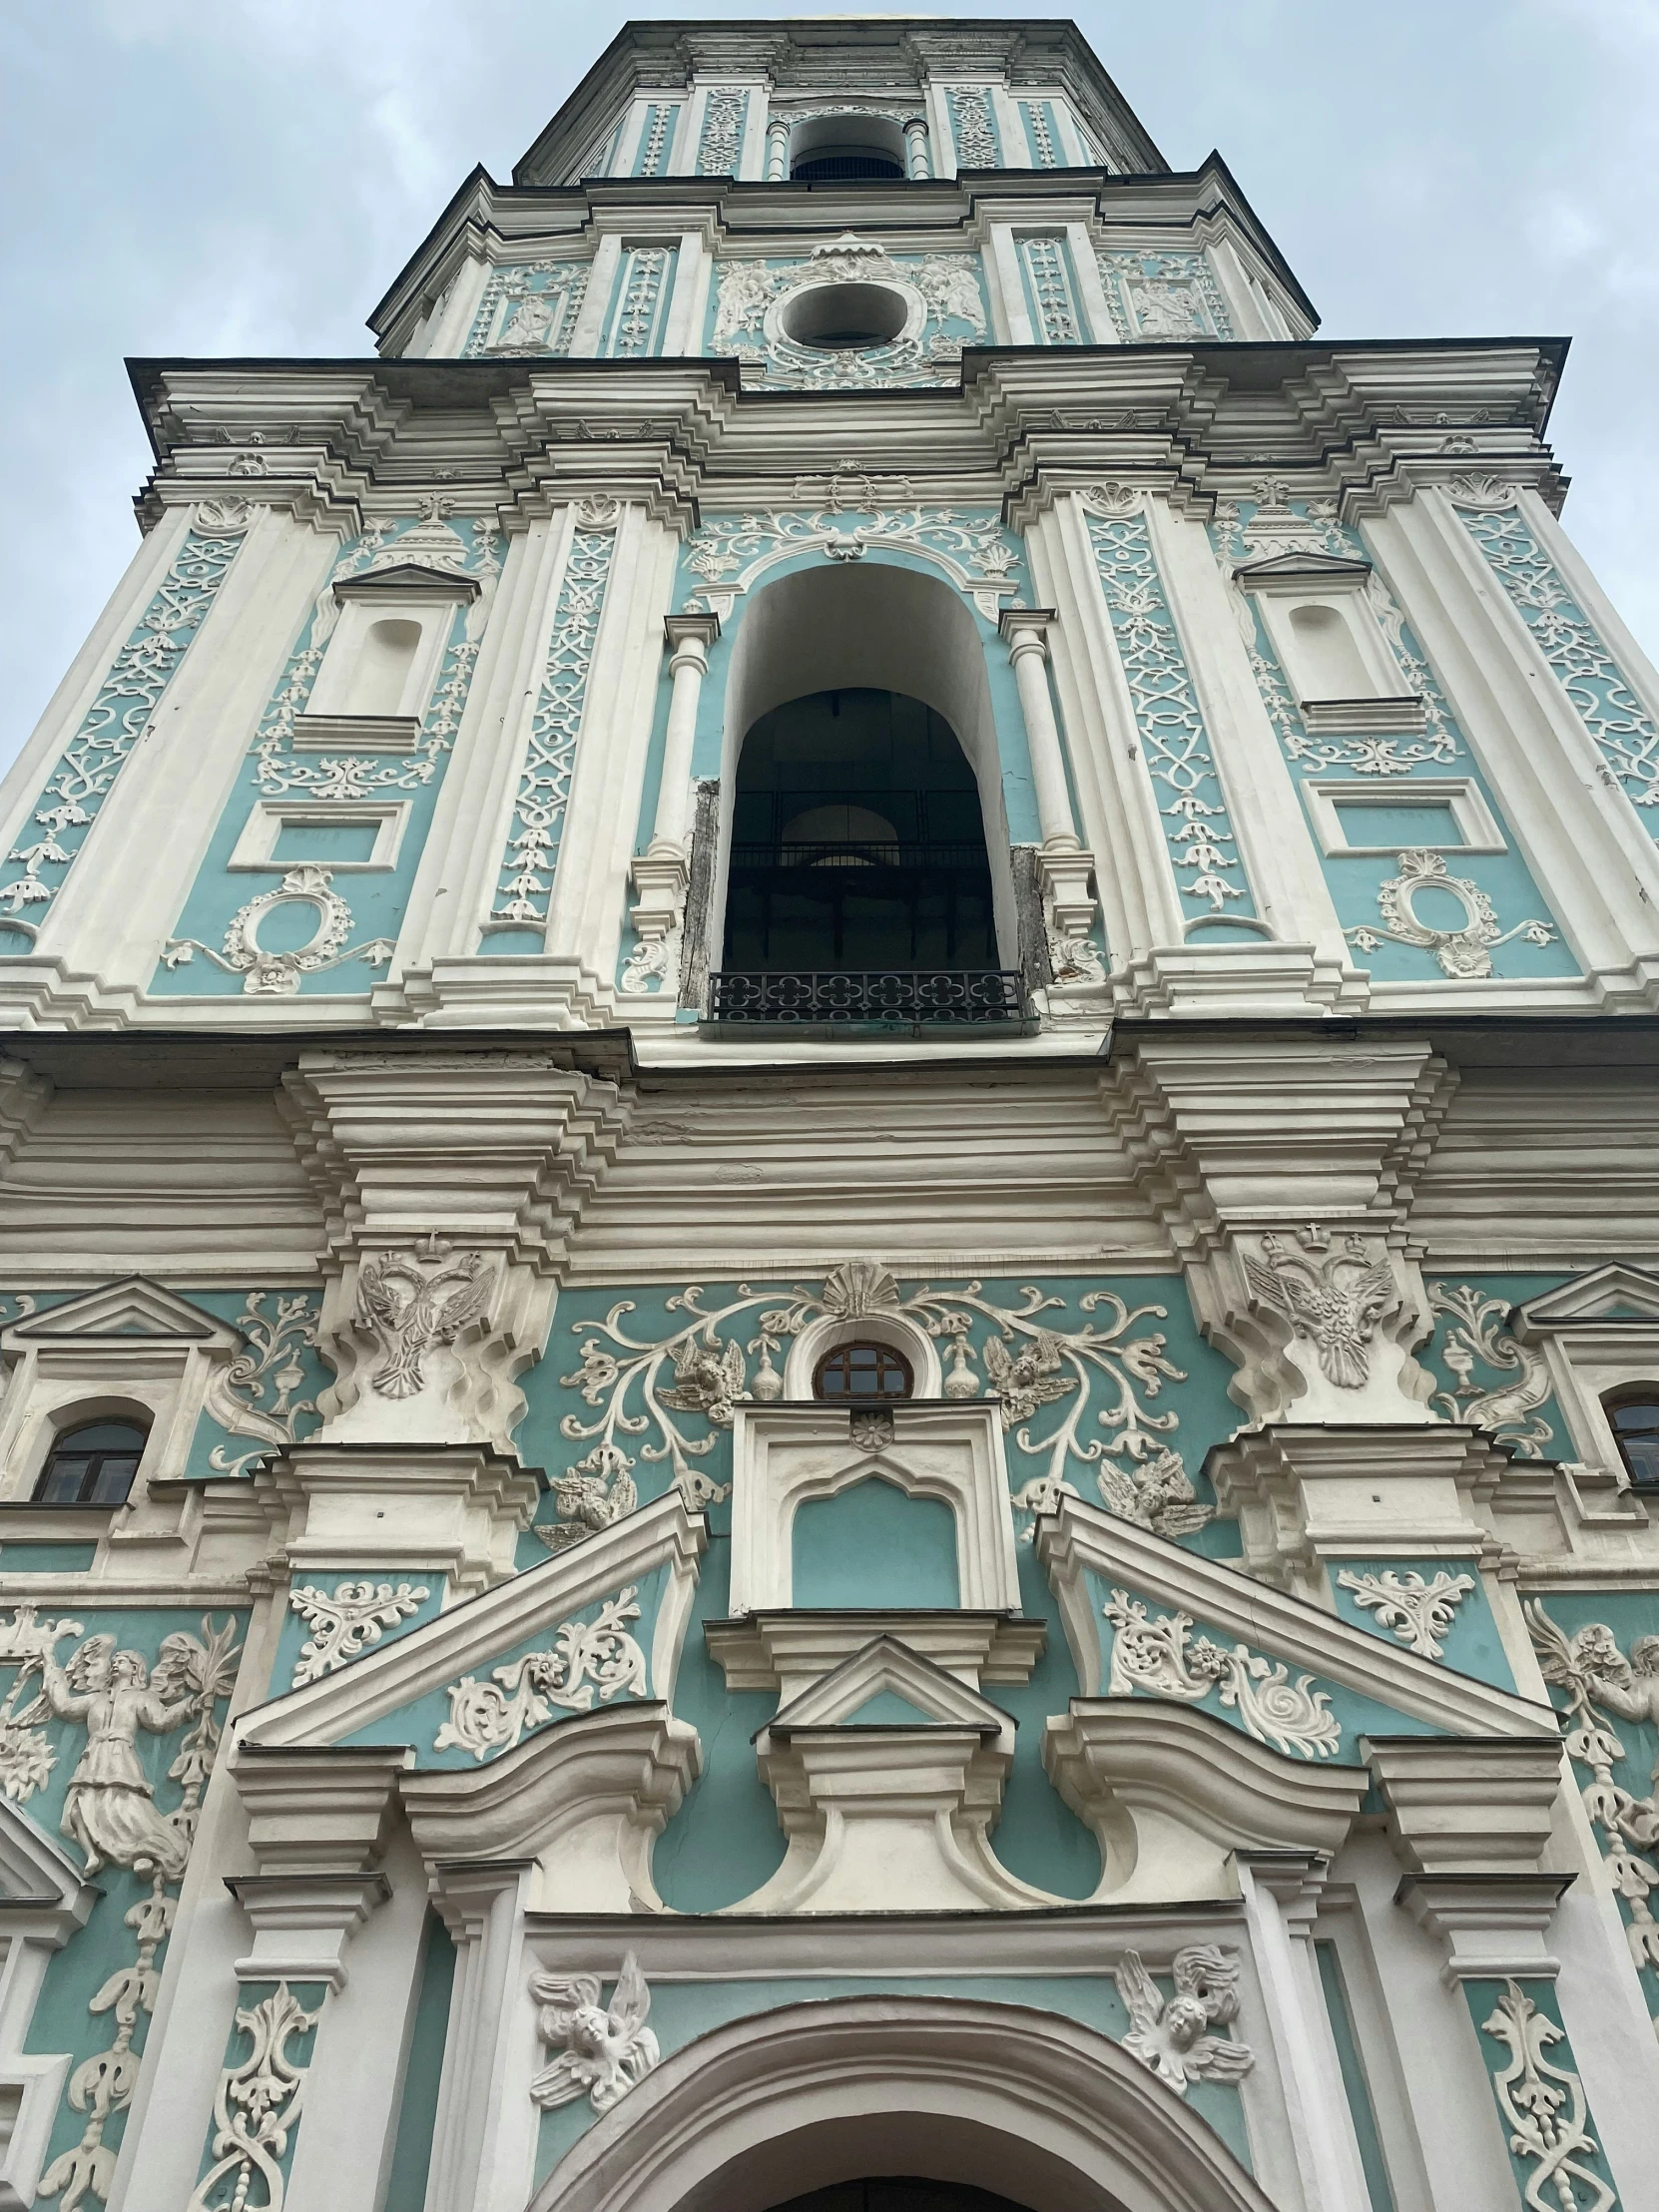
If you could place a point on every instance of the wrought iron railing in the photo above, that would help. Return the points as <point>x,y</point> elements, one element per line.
<point>906,995</point>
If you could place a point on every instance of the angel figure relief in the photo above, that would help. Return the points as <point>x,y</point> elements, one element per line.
<point>414,1303</point>
<point>1334,1299</point>
<point>599,2051</point>
<point>1171,2036</point>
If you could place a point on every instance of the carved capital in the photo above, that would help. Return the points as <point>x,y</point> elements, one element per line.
<point>452,1183</point>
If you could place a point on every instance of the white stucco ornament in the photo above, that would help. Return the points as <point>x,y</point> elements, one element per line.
<point>599,2051</point>
<point>1172,2036</point>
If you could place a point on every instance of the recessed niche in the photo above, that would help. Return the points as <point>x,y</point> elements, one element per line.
<point>844,318</point>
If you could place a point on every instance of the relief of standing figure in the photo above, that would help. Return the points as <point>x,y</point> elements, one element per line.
<point>108,1810</point>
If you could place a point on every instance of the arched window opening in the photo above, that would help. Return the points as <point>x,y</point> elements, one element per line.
<point>846,149</point>
<point>1634,1414</point>
<point>93,1464</point>
<point>839,318</point>
<point>382,666</point>
<point>862,1371</point>
<point>901,2194</point>
<point>857,842</point>
<point>1328,661</point>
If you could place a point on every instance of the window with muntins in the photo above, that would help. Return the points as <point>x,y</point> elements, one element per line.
<point>92,1465</point>
<point>862,1371</point>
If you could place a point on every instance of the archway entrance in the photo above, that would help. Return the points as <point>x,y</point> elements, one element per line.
<point>856,841</point>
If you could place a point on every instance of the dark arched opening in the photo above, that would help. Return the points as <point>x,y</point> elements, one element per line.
<point>900,2194</point>
<point>858,842</point>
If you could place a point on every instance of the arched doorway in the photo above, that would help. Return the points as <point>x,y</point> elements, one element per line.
<point>1046,2114</point>
<point>857,840</point>
<point>864,860</point>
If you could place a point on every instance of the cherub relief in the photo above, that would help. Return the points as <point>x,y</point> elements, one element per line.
<point>604,2051</point>
<point>1172,2034</point>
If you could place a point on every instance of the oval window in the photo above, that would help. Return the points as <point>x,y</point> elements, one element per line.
<point>839,318</point>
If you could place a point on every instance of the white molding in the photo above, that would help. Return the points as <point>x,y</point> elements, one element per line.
<point>256,842</point>
<point>1326,797</point>
<point>783,1455</point>
<point>986,2094</point>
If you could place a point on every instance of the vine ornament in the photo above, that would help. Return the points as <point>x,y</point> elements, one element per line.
<point>348,1622</point>
<point>1161,1658</point>
<point>257,2107</point>
<point>589,1662</point>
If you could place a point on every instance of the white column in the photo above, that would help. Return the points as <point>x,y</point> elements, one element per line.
<point>1026,631</point>
<point>778,150</point>
<point>1280,1892</point>
<point>474,2134</point>
<point>689,637</point>
<point>915,146</point>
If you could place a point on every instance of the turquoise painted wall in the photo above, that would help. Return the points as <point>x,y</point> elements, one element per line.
<point>872,1545</point>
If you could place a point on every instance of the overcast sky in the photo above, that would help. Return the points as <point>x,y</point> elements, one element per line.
<point>246,176</point>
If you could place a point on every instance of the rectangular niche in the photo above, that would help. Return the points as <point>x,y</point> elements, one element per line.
<point>347,837</point>
<point>382,660</point>
<point>1442,813</point>
<point>1340,664</point>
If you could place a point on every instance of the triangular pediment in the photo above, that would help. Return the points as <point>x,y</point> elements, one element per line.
<point>34,1869</point>
<point>865,1689</point>
<point>405,577</point>
<point>1146,1617</point>
<point>646,1562</point>
<point>1301,568</point>
<point>1612,1294</point>
<point>131,1307</point>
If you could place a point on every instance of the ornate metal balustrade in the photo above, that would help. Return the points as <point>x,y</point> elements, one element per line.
<point>912,996</point>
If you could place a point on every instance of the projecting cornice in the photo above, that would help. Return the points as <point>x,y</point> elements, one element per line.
<point>1364,422</point>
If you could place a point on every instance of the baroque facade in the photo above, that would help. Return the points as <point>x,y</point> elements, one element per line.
<point>831,1260</point>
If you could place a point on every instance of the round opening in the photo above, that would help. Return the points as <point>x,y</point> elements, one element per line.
<point>841,317</point>
<point>842,165</point>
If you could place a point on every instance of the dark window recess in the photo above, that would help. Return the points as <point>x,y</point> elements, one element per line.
<point>1635,1419</point>
<point>92,1465</point>
<point>844,164</point>
<point>862,1371</point>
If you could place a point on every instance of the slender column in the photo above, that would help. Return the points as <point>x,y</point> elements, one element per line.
<point>778,150</point>
<point>689,637</point>
<point>915,146</point>
<point>663,870</point>
<point>1026,631</point>
<point>1280,1892</point>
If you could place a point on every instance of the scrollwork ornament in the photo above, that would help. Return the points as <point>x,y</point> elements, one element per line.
<point>1464,954</point>
<point>1104,1372</point>
<point>591,1662</point>
<point>1475,1337</point>
<point>254,1394</point>
<point>257,2108</point>
<point>1417,1611</point>
<point>277,974</point>
<point>346,1620</point>
<point>1160,1657</point>
<point>1543,2106</point>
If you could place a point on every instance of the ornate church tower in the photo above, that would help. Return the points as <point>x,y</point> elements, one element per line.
<point>831,1292</point>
